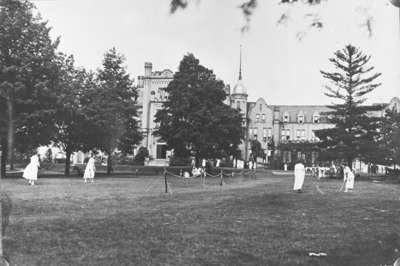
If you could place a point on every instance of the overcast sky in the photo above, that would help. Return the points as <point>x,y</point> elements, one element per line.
<point>276,64</point>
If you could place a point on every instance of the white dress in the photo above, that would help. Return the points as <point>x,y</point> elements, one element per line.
<point>31,170</point>
<point>299,173</point>
<point>90,169</point>
<point>349,178</point>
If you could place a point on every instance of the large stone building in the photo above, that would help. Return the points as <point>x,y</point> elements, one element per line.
<point>269,124</point>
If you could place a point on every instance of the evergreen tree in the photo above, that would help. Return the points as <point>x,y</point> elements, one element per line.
<point>355,132</point>
<point>388,151</point>
<point>28,75</point>
<point>195,120</point>
<point>113,109</point>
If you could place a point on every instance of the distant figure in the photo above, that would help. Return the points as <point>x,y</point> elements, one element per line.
<point>218,163</point>
<point>31,170</point>
<point>299,173</point>
<point>90,170</point>
<point>348,179</point>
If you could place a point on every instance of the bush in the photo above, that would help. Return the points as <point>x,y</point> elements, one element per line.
<point>141,156</point>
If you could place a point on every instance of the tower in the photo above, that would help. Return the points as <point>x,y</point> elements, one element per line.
<point>239,101</point>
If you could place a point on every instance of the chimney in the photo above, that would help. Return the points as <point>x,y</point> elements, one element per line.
<point>148,69</point>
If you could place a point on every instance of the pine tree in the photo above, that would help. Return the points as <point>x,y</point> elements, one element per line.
<point>195,120</point>
<point>355,131</point>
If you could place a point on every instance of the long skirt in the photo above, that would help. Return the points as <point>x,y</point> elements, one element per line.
<point>349,182</point>
<point>30,172</point>
<point>298,181</point>
<point>89,173</point>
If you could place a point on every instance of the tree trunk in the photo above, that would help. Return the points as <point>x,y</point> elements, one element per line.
<point>11,132</point>
<point>109,164</point>
<point>68,153</point>
<point>3,157</point>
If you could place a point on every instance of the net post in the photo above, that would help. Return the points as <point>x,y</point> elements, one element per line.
<point>222,177</point>
<point>165,181</point>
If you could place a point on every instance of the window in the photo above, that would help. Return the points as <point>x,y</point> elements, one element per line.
<point>301,134</point>
<point>285,134</point>
<point>264,132</point>
<point>263,117</point>
<point>161,151</point>
<point>286,117</point>
<point>260,107</point>
<point>300,118</point>
<point>257,117</point>
<point>237,105</point>
<point>316,118</point>
<point>269,134</point>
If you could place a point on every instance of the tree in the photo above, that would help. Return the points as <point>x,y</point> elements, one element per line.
<point>74,129</point>
<point>355,131</point>
<point>388,150</point>
<point>195,120</point>
<point>256,149</point>
<point>28,75</point>
<point>113,108</point>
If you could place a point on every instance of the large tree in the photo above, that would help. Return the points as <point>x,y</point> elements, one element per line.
<point>388,150</point>
<point>195,120</point>
<point>113,108</point>
<point>28,75</point>
<point>74,129</point>
<point>355,131</point>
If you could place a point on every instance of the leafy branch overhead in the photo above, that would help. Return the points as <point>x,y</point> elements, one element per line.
<point>310,17</point>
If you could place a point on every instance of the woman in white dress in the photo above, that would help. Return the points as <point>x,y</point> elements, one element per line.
<point>90,170</point>
<point>299,173</point>
<point>348,176</point>
<point>31,170</point>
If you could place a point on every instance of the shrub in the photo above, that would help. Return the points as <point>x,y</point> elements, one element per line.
<point>141,156</point>
<point>180,161</point>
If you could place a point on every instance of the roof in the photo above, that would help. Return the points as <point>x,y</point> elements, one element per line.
<point>239,88</point>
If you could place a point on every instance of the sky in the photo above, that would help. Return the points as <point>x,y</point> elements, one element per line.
<point>281,62</point>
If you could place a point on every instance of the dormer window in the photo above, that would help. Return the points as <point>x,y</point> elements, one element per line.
<point>286,117</point>
<point>238,105</point>
<point>316,118</point>
<point>300,118</point>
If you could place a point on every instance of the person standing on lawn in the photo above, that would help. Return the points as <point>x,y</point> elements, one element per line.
<point>348,179</point>
<point>31,170</point>
<point>90,170</point>
<point>299,173</point>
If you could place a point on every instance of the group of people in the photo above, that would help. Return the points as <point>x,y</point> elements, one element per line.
<point>31,170</point>
<point>300,172</point>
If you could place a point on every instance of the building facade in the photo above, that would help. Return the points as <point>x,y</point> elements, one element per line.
<point>269,124</point>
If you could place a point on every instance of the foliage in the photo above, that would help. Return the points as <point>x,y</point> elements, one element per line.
<point>355,131</point>
<point>113,107</point>
<point>388,151</point>
<point>195,121</point>
<point>75,131</point>
<point>256,149</point>
<point>28,75</point>
<point>141,155</point>
<point>248,8</point>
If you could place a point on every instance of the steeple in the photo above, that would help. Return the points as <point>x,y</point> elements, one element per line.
<point>239,88</point>
<point>240,64</point>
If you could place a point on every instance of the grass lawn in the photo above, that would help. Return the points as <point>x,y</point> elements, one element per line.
<point>249,221</point>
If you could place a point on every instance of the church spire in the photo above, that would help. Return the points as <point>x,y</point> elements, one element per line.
<point>240,64</point>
